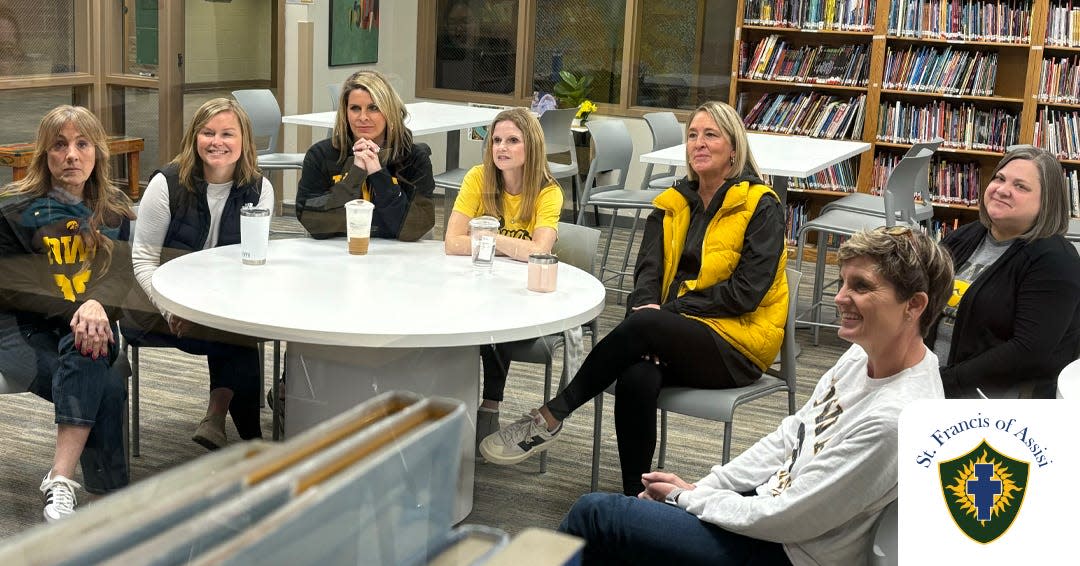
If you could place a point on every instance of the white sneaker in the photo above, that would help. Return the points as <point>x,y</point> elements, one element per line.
<point>518,441</point>
<point>59,496</point>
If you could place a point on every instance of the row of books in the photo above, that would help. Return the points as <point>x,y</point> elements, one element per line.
<point>1060,80</point>
<point>1072,182</point>
<point>841,15</point>
<point>842,178</point>
<point>950,181</point>
<point>962,126</point>
<point>927,68</point>
<point>1063,24</point>
<point>939,229</point>
<point>798,213</point>
<point>1006,21</point>
<point>775,59</point>
<point>1058,131</point>
<point>806,113</point>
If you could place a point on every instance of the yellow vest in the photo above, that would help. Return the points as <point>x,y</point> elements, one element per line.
<point>756,334</point>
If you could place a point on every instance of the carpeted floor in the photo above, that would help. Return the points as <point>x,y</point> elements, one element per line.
<point>174,390</point>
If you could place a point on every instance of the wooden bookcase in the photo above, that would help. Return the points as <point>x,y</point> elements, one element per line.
<point>1016,88</point>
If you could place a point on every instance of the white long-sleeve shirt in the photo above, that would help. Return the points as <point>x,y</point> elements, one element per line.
<point>153,223</point>
<point>823,477</point>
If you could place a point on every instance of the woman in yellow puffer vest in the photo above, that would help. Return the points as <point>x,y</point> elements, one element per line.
<point>708,306</point>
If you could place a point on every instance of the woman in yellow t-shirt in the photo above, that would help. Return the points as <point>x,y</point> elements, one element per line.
<point>514,185</point>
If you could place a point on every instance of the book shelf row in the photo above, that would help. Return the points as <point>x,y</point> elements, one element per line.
<point>1063,25</point>
<point>798,214</point>
<point>774,58</point>
<point>806,113</point>
<point>951,181</point>
<point>1058,131</point>
<point>950,70</point>
<point>1059,80</point>
<point>962,126</point>
<point>839,15</point>
<point>1004,21</point>
<point>1072,182</point>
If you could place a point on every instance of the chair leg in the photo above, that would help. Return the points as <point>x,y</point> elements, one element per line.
<point>727,444</point>
<point>629,244</point>
<point>819,283</point>
<point>598,421</point>
<point>135,401</point>
<point>547,397</point>
<point>574,182</point>
<point>275,379</point>
<point>663,439</point>
<point>262,373</point>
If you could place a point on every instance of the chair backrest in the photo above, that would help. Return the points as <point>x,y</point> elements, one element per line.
<point>884,542</point>
<point>557,135</point>
<point>577,246</point>
<point>334,90</point>
<point>614,150</point>
<point>932,145</point>
<point>910,176</point>
<point>789,348</point>
<point>262,107</point>
<point>1073,233</point>
<point>666,132</point>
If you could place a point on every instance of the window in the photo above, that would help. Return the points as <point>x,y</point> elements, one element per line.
<point>639,54</point>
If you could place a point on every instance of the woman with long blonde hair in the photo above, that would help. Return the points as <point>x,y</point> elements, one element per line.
<point>63,230</point>
<point>515,186</point>
<point>192,204</point>
<point>371,155</point>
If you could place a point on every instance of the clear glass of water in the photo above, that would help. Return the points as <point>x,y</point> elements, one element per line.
<point>482,231</point>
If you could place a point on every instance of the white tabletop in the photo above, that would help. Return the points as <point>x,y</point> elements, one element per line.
<point>398,295</point>
<point>787,156</point>
<point>424,117</point>
<point>1068,384</point>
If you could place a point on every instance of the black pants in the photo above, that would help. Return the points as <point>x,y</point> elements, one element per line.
<point>233,361</point>
<point>690,354</point>
<point>496,360</point>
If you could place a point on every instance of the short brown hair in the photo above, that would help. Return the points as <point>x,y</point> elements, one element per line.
<point>1053,218</point>
<point>910,261</point>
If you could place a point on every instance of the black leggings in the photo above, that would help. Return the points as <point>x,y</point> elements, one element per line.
<point>690,354</point>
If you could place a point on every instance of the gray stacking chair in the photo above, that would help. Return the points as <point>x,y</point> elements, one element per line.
<point>666,132</point>
<point>719,404</point>
<point>614,151</point>
<point>576,246</point>
<point>1073,235</point>
<point>883,549</point>
<point>559,139</point>
<point>899,205</point>
<point>875,205</point>
<point>262,107</point>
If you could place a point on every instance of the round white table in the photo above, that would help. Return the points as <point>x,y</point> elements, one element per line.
<point>1068,384</point>
<point>403,317</point>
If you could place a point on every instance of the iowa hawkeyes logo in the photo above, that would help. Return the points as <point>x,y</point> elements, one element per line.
<point>72,225</point>
<point>959,288</point>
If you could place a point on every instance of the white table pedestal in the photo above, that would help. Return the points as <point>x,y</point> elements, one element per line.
<point>325,381</point>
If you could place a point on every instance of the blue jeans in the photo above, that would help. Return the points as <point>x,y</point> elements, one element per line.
<point>85,392</point>
<point>620,529</point>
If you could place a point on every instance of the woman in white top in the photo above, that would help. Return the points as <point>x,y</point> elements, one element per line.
<point>192,204</point>
<point>810,492</point>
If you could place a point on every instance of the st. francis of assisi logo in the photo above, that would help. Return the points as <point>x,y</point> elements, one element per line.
<point>983,490</point>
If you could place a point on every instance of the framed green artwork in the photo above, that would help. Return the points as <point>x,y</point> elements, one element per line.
<point>354,32</point>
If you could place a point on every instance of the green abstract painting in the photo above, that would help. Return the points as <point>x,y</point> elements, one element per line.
<point>354,32</point>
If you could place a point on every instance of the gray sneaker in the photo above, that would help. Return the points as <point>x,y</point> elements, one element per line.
<point>487,423</point>
<point>518,441</point>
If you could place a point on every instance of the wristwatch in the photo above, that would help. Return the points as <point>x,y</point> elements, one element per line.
<point>672,498</point>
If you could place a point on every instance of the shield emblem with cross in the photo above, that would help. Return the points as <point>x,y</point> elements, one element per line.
<point>983,490</point>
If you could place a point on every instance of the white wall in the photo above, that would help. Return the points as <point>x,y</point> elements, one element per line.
<point>211,51</point>
<point>397,60</point>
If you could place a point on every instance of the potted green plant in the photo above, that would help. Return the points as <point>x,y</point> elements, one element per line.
<point>572,90</point>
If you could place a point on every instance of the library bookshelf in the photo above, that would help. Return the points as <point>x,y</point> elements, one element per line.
<point>982,74</point>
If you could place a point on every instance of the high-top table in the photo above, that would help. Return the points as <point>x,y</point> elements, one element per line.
<point>424,118</point>
<point>403,317</point>
<point>784,157</point>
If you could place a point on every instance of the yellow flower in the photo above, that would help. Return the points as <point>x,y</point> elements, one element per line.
<point>587,107</point>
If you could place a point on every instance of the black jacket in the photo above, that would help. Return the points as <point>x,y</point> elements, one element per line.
<point>33,288</point>
<point>401,192</point>
<point>1018,324</point>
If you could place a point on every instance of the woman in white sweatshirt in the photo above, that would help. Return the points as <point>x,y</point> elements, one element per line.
<point>810,492</point>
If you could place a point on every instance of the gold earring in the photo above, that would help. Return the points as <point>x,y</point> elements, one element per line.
<point>733,160</point>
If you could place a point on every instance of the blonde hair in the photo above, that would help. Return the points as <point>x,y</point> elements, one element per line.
<point>398,139</point>
<point>536,174</point>
<point>729,122</point>
<point>910,261</point>
<point>188,160</point>
<point>107,203</point>
<point>1053,217</point>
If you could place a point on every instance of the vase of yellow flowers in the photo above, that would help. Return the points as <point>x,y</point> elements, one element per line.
<point>584,110</point>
